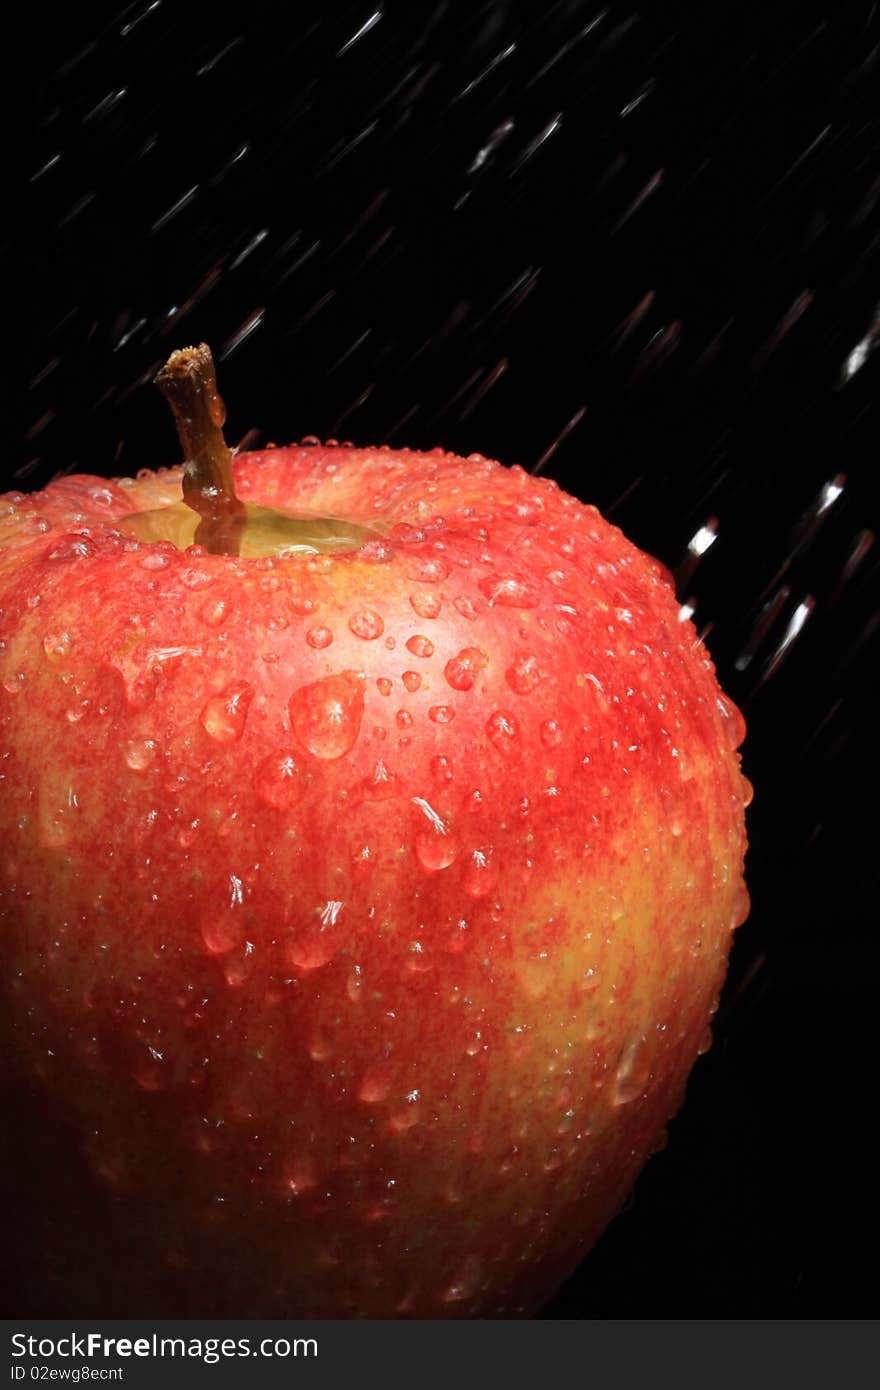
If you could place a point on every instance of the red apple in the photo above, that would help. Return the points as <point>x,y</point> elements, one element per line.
<point>363,912</point>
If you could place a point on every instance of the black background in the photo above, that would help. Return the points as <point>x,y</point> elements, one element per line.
<point>648,238</point>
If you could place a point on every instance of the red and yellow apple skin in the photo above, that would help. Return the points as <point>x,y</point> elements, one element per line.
<point>362,915</point>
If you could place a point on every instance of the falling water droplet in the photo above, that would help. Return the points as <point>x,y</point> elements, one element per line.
<point>326,715</point>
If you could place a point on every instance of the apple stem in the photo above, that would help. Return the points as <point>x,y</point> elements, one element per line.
<point>189,385</point>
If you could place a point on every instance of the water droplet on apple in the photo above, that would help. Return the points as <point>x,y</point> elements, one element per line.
<point>149,1071</point>
<point>225,715</point>
<point>435,849</point>
<point>503,733</point>
<point>320,1048</point>
<point>466,1282</point>
<point>407,1115</point>
<point>315,942</point>
<point>57,645</point>
<point>237,967</point>
<point>429,571</point>
<point>404,719</point>
<point>301,1176</point>
<point>441,769</point>
<point>140,754</point>
<point>480,873</point>
<point>380,785</point>
<point>589,980</point>
<point>523,675</point>
<point>705,1042</point>
<point>384,685</point>
<point>73,547</point>
<point>278,781</point>
<point>196,578</point>
<point>535,975</point>
<point>748,793</point>
<point>420,646</point>
<point>509,591</point>
<point>412,680</point>
<point>155,559</point>
<point>741,907</point>
<point>684,765</point>
<point>551,733</point>
<point>58,807</point>
<point>732,721</point>
<point>461,671</point>
<point>221,922</point>
<point>441,714</point>
<point>465,607</point>
<point>214,610</point>
<point>633,1072</point>
<point>375,1085</point>
<point>366,624</point>
<point>319,637</point>
<point>326,715</point>
<point>427,605</point>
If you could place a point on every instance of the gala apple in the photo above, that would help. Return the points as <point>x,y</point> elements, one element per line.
<point>367,882</point>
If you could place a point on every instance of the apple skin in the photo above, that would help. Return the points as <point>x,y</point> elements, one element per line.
<point>362,915</point>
